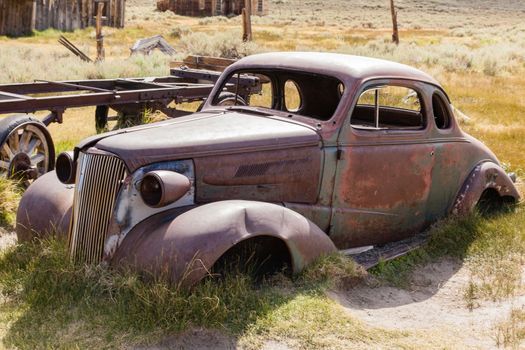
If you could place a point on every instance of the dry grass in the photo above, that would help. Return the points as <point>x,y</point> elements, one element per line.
<point>496,258</point>
<point>9,197</point>
<point>50,62</point>
<point>314,322</point>
<point>510,333</point>
<point>465,59</point>
<point>48,302</point>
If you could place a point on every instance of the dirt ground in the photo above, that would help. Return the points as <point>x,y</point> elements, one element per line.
<point>435,302</point>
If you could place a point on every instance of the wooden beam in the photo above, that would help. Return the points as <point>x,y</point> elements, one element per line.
<point>204,62</point>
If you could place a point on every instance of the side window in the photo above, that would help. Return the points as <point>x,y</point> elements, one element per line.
<point>202,5</point>
<point>441,114</point>
<point>292,96</point>
<point>388,107</point>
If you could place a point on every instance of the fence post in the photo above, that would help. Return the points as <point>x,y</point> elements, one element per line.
<point>100,37</point>
<point>395,32</point>
<point>247,20</point>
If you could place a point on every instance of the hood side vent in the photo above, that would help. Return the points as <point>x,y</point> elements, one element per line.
<point>253,170</point>
<point>261,169</point>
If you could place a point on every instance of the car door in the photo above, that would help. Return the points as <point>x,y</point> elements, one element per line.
<point>384,168</point>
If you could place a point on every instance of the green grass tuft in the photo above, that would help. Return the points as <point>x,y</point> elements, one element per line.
<point>9,197</point>
<point>450,237</point>
<point>51,294</point>
<point>333,271</point>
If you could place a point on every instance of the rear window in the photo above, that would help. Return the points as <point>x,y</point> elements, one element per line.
<point>296,93</point>
<point>441,115</point>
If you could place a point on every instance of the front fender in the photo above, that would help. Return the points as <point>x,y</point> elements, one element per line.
<point>487,175</point>
<point>45,209</point>
<point>186,248</point>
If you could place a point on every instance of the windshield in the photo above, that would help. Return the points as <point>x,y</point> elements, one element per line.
<point>310,95</point>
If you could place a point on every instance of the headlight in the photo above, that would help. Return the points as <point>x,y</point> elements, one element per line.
<point>162,187</point>
<point>66,168</point>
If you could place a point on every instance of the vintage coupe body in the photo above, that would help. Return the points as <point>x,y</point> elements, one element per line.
<point>321,152</point>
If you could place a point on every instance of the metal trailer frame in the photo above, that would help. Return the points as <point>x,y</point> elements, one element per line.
<point>26,146</point>
<point>119,94</point>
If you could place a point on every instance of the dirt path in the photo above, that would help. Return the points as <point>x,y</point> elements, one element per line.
<point>435,302</point>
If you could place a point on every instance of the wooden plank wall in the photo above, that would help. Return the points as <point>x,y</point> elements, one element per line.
<point>117,14</point>
<point>16,17</point>
<point>227,7</point>
<point>192,8</point>
<point>259,7</point>
<point>68,15</point>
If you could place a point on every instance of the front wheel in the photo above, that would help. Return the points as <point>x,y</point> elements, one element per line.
<point>26,148</point>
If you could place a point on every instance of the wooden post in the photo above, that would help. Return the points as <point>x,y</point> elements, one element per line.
<point>247,20</point>
<point>395,32</point>
<point>100,36</point>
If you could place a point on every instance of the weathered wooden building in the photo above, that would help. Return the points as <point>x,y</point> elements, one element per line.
<point>68,15</point>
<point>216,7</point>
<point>16,17</point>
<point>20,17</point>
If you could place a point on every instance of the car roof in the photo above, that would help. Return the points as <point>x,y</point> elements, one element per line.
<point>341,65</point>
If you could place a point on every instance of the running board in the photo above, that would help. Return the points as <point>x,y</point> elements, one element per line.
<point>371,256</point>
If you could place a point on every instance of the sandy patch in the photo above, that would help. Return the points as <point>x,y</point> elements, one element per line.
<point>435,302</point>
<point>195,339</point>
<point>202,339</point>
<point>7,238</point>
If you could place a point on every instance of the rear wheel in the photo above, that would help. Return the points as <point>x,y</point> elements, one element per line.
<point>491,203</point>
<point>26,148</point>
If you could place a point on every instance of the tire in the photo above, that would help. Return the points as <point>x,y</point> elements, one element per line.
<point>228,99</point>
<point>101,118</point>
<point>28,155</point>
<point>225,99</point>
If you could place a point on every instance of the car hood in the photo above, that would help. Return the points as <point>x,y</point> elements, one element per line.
<point>204,134</point>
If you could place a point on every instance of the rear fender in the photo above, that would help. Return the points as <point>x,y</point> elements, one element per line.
<point>487,175</point>
<point>45,209</point>
<point>185,248</point>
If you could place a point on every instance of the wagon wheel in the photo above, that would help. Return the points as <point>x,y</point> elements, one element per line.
<point>230,99</point>
<point>226,99</point>
<point>26,148</point>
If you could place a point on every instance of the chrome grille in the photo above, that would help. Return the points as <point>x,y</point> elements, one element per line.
<point>98,181</point>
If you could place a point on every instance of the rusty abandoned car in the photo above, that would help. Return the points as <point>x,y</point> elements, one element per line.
<point>303,154</point>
